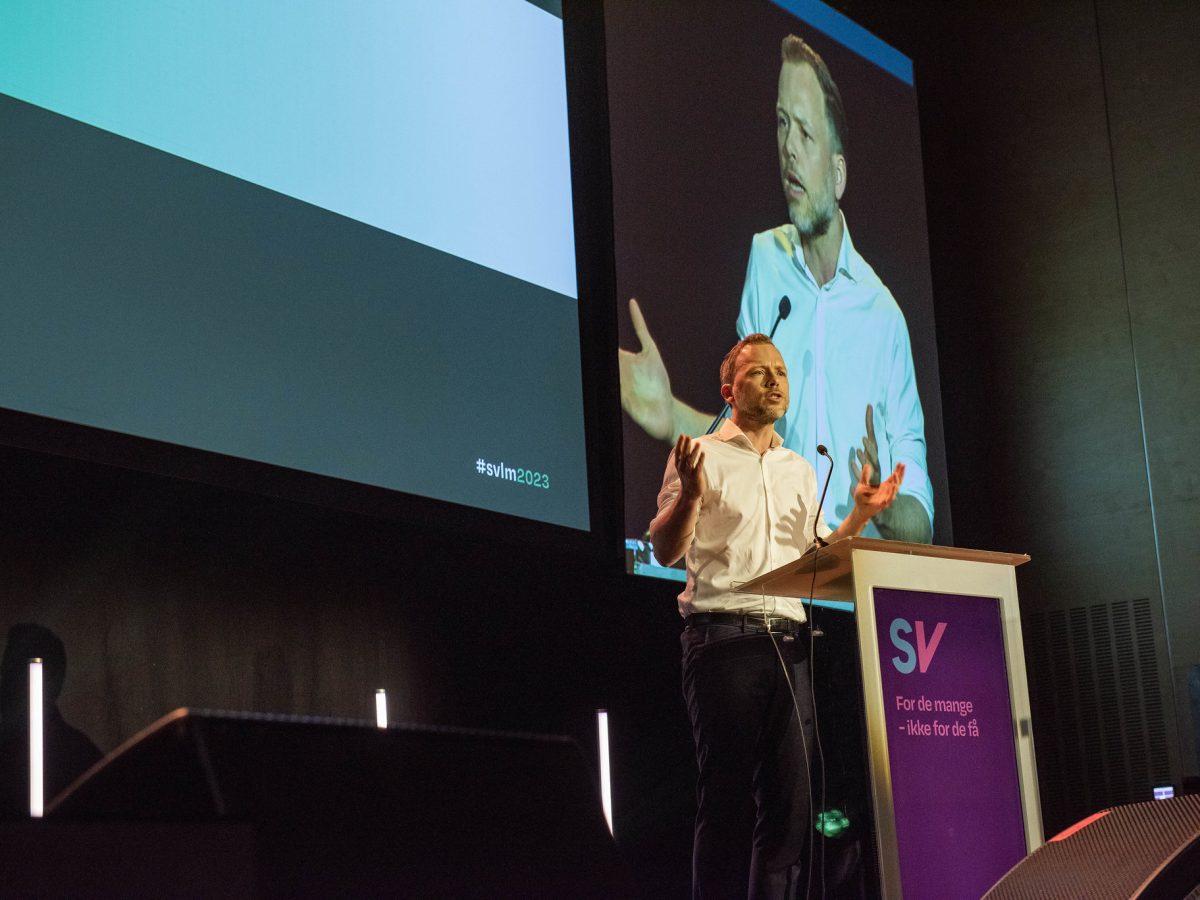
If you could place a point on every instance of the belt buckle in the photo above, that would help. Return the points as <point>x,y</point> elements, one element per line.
<point>766,622</point>
<point>788,630</point>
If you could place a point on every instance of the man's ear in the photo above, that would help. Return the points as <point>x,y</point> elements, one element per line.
<point>727,394</point>
<point>839,175</point>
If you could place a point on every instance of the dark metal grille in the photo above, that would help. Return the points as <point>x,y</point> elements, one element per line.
<point>1098,719</point>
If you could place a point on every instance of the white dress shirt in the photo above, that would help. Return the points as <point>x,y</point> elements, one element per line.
<point>758,513</point>
<point>846,345</point>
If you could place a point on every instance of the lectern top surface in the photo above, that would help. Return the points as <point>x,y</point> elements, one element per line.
<point>832,566</point>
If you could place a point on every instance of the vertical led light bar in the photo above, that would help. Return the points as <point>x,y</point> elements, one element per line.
<point>36,805</point>
<point>605,770</point>
<point>381,708</point>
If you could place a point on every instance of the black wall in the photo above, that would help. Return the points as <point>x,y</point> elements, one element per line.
<point>170,593</point>
<point>1061,142</point>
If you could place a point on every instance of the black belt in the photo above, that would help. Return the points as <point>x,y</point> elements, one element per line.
<point>751,623</point>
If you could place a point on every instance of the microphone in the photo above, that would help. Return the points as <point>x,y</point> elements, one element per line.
<point>823,451</point>
<point>814,630</point>
<point>785,310</point>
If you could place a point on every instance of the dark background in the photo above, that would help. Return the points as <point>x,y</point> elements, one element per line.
<point>1060,144</point>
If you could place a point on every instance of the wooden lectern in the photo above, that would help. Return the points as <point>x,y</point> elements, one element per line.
<point>953,784</point>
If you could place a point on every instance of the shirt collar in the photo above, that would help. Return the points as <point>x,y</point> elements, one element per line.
<point>848,259</point>
<point>729,433</point>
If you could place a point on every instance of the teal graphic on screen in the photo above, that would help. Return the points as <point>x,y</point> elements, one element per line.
<point>333,238</point>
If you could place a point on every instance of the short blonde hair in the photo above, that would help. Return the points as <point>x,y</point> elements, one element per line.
<point>729,363</point>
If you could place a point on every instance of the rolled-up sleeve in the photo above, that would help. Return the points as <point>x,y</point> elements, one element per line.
<point>904,421</point>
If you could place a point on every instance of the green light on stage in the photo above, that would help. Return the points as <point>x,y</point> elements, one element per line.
<point>832,823</point>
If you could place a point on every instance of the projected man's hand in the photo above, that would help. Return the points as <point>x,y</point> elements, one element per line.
<point>645,385</point>
<point>903,518</point>
<point>868,453</point>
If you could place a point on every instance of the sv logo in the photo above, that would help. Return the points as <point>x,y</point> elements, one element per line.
<point>923,654</point>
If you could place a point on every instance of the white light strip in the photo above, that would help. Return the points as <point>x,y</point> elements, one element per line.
<point>381,708</point>
<point>605,770</point>
<point>36,804</point>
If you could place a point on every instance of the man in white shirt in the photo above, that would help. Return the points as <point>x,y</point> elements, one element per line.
<point>845,338</point>
<point>739,504</point>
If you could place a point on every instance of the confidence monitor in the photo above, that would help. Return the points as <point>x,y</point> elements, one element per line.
<point>338,247</point>
<point>345,808</point>
<point>1147,851</point>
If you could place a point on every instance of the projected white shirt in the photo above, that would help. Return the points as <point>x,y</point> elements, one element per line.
<point>758,513</point>
<point>846,345</point>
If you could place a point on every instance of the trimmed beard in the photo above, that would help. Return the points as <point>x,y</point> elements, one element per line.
<point>761,413</point>
<point>820,216</point>
<point>817,222</point>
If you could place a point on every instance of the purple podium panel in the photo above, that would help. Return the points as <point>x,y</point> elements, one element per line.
<point>951,746</point>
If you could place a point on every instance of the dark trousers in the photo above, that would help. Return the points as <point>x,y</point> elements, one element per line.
<point>754,803</point>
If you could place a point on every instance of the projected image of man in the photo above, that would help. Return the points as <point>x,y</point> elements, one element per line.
<point>737,504</point>
<point>845,340</point>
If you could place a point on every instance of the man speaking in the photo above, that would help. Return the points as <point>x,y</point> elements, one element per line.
<point>737,504</point>
<point>844,338</point>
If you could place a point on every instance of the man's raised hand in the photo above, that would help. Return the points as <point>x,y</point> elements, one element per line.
<point>871,499</point>
<point>689,464</point>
